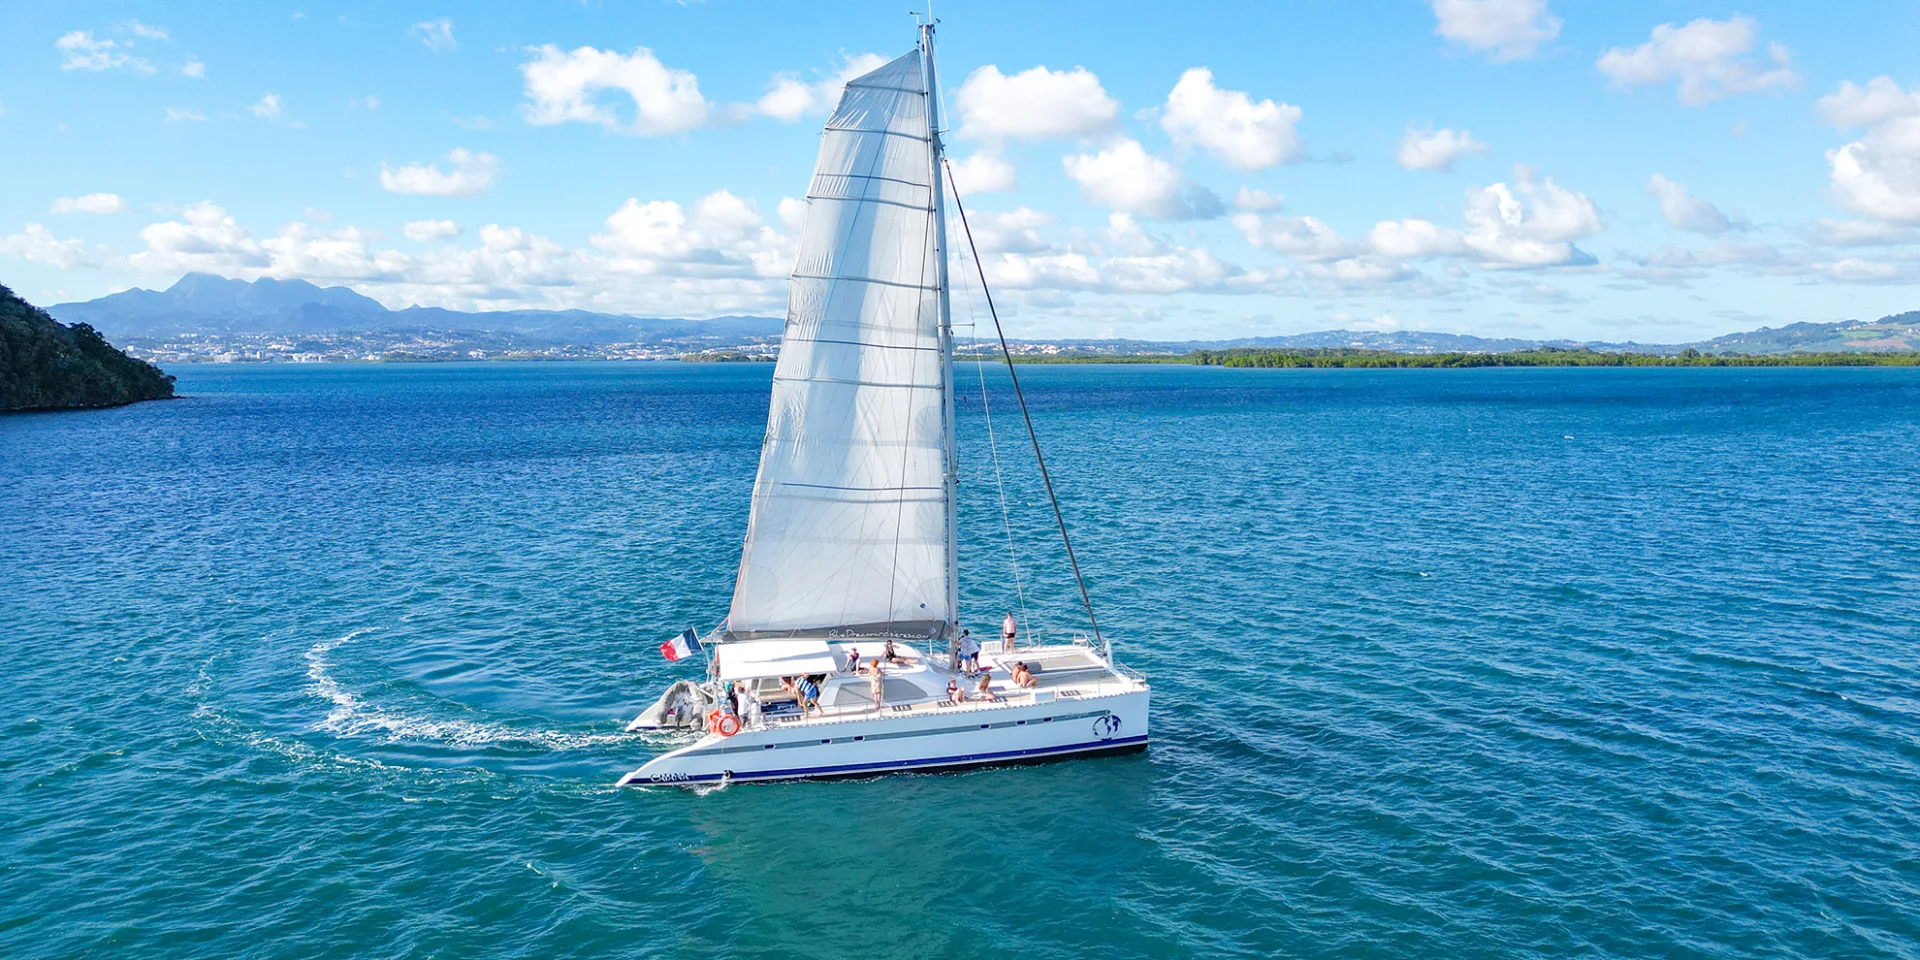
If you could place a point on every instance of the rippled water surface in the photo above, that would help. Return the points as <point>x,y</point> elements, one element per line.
<point>334,662</point>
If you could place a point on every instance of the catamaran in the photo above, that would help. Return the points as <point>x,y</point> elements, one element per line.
<point>843,652</point>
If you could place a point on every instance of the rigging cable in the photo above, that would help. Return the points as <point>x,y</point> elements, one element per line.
<point>1014,375</point>
<point>986,409</point>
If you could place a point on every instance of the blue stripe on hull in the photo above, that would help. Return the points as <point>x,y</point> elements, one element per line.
<point>890,766</point>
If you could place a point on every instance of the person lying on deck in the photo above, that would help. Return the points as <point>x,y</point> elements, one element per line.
<point>1023,677</point>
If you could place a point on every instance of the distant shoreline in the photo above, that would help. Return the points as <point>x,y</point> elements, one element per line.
<point>1258,358</point>
<point>1250,359</point>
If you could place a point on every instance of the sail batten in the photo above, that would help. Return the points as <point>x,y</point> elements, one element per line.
<point>851,516</point>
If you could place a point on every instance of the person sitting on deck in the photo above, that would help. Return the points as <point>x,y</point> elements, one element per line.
<point>986,688</point>
<point>891,656</point>
<point>1022,677</point>
<point>954,694</point>
<point>853,659</point>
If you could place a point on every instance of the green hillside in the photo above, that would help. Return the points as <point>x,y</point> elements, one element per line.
<point>46,365</point>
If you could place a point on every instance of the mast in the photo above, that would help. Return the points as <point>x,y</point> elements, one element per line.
<point>944,305</point>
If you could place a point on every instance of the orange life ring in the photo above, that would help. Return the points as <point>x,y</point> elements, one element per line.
<point>728,725</point>
<point>713,721</point>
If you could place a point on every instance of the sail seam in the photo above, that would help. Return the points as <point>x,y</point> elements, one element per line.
<point>858,383</point>
<point>858,343</point>
<point>886,133</point>
<point>853,279</point>
<point>891,203</point>
<point>869,176</point>
<point>833,486</point>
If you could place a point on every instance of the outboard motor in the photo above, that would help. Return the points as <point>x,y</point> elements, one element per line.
<point>684,706</point>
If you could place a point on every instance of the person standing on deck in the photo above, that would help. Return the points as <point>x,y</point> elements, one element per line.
<point>969,653</point>
<point>1008,630</point>
<point>876,684</point>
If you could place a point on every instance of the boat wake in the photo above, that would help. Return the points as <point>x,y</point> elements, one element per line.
<point>353,716</point>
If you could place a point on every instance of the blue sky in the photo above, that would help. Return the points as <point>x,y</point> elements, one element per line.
<point>1655,171</point>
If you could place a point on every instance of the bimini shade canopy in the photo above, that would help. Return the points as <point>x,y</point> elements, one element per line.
<point>773,658</point>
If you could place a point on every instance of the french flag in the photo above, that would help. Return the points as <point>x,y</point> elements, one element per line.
<point>684,645</point>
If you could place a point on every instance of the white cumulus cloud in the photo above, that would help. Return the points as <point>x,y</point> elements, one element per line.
<point>1684,210</point>
<point>723,234</point>
<point>82,51</point>
<point>1228,124</point>
<point>1532,223</point>
<point>90,203</point>
<point>1436,150</point>
<point>205,239</point>
<point>563,86</point>
<point>1034,104</point>
<point>983,172</point>
<point>1413,238</point>
<point>472,173</point>
<point>427,231</point>
<point>1255,200</point>
<point>790,97</point>
<point>1707,58</point>
<point>194,68</point>
<point>1858,233</point>
<point>268,107</point>
<point>1307,238</point>
<point>1125,177</point>
<point>1502,29</point>
<point>182,114</point>
<point>1879,174</point>
<point>36,244</point>
<point>1852,105</point>
<point>436,35</point>
<point>1016,231</point>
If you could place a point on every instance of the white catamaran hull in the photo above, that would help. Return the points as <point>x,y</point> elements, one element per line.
<point>973,734</point>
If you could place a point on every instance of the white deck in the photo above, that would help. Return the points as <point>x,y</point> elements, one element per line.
<point>1079,705</point>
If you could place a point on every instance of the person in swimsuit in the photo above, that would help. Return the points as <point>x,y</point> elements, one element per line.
<point>853,659</point>
<point>1022,676</point>
<point>1008,630</point>
<point>986,688</point>
<point>891,656</point>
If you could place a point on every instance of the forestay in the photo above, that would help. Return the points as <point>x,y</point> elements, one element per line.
<point>849,526</point>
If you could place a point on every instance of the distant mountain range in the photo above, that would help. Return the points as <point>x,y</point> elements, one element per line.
<point>1898,332</point>
<point>206,304</point>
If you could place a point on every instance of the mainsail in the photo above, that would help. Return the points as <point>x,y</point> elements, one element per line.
<point>851,526</point>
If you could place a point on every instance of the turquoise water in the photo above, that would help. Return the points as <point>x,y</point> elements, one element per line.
<point>334,661</point>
